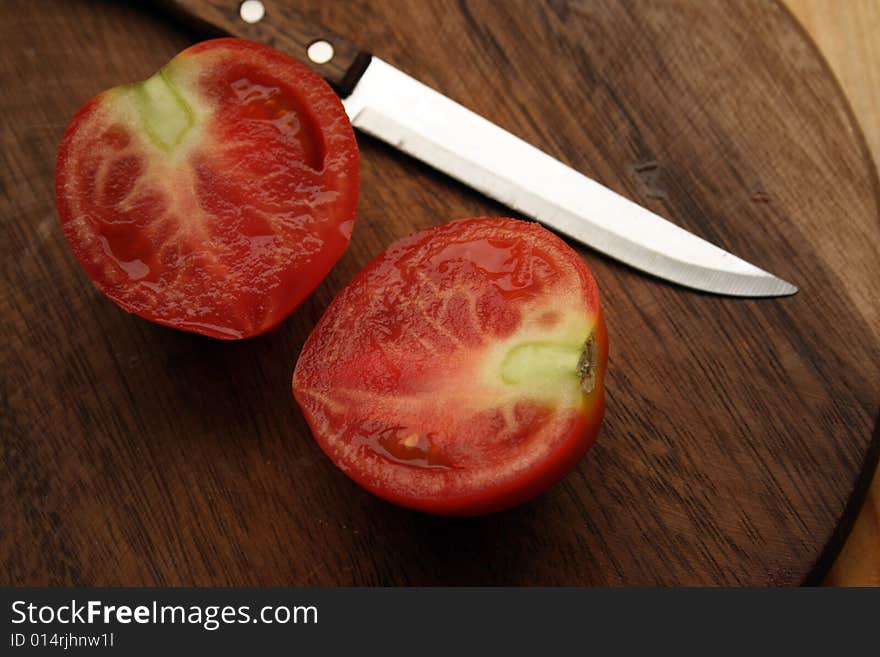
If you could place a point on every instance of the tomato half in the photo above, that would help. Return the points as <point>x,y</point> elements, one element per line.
<point>461,372</point>
<point>214,196</point>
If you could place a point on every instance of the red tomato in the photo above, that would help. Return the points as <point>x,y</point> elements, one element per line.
<point>214,196</point>
<point>461,372</point>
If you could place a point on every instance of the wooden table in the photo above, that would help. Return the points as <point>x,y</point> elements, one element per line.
<point>846,34</point>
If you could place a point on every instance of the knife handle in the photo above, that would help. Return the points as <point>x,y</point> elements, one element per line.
<point>284,29</point>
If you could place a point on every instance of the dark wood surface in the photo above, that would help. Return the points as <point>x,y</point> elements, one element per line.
<point>736,432</point>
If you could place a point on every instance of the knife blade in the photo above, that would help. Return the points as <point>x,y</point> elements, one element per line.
<point>398,109</point>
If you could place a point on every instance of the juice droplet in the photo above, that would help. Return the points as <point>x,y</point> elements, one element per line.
<point>409,447</point>
<point>136,268</point>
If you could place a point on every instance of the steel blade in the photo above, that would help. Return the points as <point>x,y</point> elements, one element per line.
<point>412,117</point>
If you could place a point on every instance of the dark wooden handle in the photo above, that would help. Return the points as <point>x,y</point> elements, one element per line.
<point>282,28</point>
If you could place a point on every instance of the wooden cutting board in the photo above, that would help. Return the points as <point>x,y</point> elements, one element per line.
<point>737,433</point>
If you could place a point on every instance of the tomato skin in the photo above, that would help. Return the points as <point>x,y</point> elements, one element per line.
<point>221,225</point>
<point>361,368</point>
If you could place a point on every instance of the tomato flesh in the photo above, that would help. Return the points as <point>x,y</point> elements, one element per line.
<point>214,196</point>
<point>461,372</point>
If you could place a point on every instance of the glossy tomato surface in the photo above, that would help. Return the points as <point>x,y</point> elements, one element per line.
<point>214,196</point>
<point>461,372</point>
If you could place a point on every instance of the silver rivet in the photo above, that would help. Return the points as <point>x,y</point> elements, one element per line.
<point>320,51</point>
<point>251,11</point>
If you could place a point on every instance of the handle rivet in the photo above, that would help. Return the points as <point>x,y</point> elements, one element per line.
<point>251,11</point>
<point>320,52</point>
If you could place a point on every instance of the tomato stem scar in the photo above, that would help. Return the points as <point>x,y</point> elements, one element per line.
<point>588,364</point>
<point>539,362</point>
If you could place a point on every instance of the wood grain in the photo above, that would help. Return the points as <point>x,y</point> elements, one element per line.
<point>846,34</point>
<point>737,431</point>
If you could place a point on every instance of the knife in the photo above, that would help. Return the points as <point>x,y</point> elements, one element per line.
<point>386,103</point>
